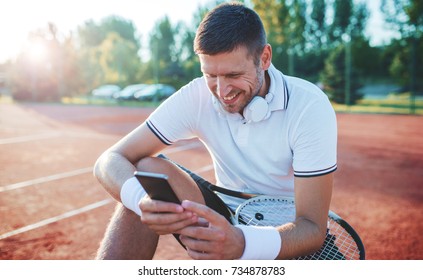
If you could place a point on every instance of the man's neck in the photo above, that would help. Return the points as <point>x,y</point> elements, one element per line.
<point>266,85</point>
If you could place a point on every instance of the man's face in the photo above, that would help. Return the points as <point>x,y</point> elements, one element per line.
<point>233,78</point>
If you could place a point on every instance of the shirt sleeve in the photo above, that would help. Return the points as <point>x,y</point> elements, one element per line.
<point>176,118</point>
<point>315,141</point>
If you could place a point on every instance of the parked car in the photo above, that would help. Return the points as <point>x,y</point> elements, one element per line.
<point>129,91</point>
<point>105,91</point>
<point>155,92</point>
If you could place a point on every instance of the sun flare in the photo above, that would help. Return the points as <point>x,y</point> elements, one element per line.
<point>37,51</point>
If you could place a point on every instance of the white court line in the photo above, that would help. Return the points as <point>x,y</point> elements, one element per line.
<point>81,171</point>
<point>46,179</point>
<point>55,219</point>
<point>28,138</point>
<point>75,212</point>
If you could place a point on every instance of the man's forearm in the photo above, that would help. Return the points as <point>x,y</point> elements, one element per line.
<point>300,238</point>
<point>112,170</point>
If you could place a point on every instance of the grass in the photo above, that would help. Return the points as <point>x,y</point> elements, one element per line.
<point>393,104</point>
<point>107,102</point>
<point>377,109</point>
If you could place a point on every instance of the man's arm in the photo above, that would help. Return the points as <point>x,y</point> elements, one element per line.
<point>307,233</point>
<point>303,236</point>
<point>117,164</point>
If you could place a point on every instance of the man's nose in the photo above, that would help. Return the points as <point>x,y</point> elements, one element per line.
<point>222,86</point>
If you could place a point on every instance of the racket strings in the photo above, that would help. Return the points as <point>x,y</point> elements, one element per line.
<point>338,245</point>
<point>266,212</point>
<point>344,241</point>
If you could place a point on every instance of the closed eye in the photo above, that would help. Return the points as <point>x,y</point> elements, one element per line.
<point>227,76</point>
<point>233,75</point>
<point>209,76</point>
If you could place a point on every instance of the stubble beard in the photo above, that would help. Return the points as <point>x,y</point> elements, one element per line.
<point>233,108</point>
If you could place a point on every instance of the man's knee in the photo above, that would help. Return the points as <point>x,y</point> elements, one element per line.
<point>152,164</point>
<point>182,183</point>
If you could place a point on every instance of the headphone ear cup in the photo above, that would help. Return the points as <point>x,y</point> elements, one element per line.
<point>257,110</point>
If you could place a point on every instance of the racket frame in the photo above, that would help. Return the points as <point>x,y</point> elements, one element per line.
<point>331,215</point>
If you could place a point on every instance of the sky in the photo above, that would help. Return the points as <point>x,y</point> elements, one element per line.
<point>19,17</point>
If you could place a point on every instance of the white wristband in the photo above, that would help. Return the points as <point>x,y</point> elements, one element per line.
<point>131,193</point>
<point>261,243</point>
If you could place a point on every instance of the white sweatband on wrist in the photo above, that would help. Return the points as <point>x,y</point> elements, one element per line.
<point>131,193</point>
<point>261,243</point>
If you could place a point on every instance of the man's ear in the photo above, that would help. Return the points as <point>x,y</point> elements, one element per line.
<point>266,57</point>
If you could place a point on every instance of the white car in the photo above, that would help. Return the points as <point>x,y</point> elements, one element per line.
<point>105,91</point>
<point>129,91</point>
<point>155,92</point>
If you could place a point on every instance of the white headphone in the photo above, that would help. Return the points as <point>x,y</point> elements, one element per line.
<point>257,110</point>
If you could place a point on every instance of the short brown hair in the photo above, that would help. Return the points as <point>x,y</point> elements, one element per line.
<point>229,26</point>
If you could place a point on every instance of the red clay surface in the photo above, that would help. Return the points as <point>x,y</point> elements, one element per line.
<point>47,152</point>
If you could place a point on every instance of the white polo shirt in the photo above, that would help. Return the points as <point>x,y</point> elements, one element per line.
<point>298,139</point>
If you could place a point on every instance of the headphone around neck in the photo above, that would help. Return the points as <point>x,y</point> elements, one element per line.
<point>257,110</point>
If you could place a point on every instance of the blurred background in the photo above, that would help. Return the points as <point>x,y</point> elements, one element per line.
<point>366,55</point>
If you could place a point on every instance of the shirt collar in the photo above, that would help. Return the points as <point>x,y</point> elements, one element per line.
<point>278,89</point>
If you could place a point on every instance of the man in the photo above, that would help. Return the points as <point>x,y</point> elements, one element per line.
<point>267,133</point>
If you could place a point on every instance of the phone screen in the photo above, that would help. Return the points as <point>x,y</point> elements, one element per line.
<point>157,186</point>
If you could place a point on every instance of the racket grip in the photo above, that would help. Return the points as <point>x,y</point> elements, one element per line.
<point>261,243</point>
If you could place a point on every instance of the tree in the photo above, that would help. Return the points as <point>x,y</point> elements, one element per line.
<point>188,59</point>
<point>343,12</point>
<point>317,24</point>
<point>334,79</point>
<point>118,60</point>
<point>91,34</point>
<point>406,16</point>
<point>295,31</point>
<point>311,63</point>
<point>273,15</point>
<point>164,57</point>
<point>346,29</point>
<point>109,52</point>
<point>285,24</point>
<point>47,69</point>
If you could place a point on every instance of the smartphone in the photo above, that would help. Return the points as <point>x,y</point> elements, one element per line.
<point>157,186</point>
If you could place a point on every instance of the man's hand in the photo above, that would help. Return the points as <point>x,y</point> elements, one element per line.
<point>213,237</point>
<point>165,217</point>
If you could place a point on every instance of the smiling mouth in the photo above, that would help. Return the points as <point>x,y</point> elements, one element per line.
<point>231,97</point>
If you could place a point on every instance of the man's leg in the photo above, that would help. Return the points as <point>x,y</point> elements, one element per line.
<point>126,238</point>
<point>182,184</point>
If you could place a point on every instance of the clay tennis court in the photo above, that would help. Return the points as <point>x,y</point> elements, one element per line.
<point>51,207</point>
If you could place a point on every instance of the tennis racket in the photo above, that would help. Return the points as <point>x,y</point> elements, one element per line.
<point>341,242</point>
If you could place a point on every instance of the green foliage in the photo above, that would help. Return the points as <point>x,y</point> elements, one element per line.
<point>109,53</point>
<point>308,38</point>
<point>343,11</point>
<point>403,59</point>
<point>91,34</point>
<point>334,78</point>
<point>406,16</point>
<point>367,59</point>
<point>317,24</point>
